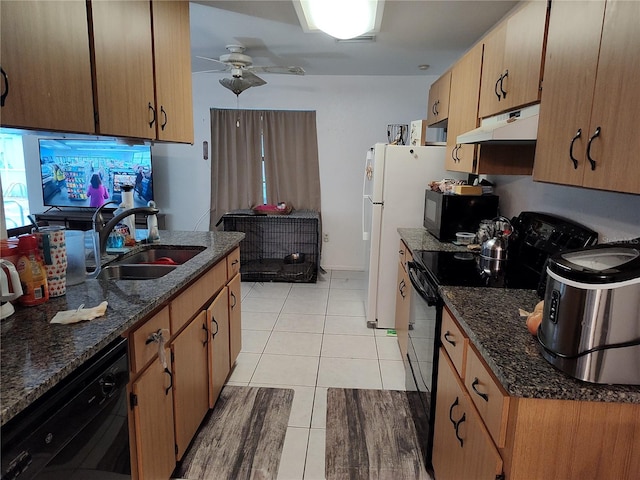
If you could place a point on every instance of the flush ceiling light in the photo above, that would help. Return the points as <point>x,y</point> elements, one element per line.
<point>342,19</point>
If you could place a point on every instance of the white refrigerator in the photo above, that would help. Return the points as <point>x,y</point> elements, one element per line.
<point>395,180</point>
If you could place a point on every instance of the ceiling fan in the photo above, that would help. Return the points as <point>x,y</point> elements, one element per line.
<point>243,71</point>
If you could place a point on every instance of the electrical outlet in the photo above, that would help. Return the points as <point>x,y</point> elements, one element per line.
<point>326,237</point>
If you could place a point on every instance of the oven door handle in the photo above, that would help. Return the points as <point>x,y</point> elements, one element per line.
<point>428,292</point>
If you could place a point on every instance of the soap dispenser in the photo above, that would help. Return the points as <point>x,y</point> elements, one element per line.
<point>152,225</point>
<point>130,221</point>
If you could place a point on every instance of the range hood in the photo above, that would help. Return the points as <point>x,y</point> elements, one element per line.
<point>516,127</point>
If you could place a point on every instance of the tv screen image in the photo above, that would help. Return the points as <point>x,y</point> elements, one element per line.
<point>90,172</point>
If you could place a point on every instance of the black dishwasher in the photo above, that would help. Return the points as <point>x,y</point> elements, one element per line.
<point>79,430</point>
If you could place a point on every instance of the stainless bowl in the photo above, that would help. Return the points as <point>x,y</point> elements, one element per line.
<point>294,258</point>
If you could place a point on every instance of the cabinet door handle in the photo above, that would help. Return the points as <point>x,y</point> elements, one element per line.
<point>164,114</point>
<point>436,107</point>
<point>433,108</point>
<point>505,75</point>
<point>206,336</point>
<point>446,337</point>
<point>573,140</point>
<point>234,300</point>
<point>453,153</point>
<point>462,420</point>
<point>6,87</point>
<point>495,87</point>
<point>166,390</point>
<point>213,334</point>
<point>235,262</point>
<point>401,252</point>
<point>153,111</point>
<point>453,405</point>
<point>595,135</point>
<point>473,386</point>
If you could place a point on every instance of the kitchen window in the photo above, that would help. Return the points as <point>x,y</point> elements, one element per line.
<point>15,201</point>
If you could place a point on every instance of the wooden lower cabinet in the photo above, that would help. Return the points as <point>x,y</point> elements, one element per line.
<point>201,328</point>
<point>462,447</point>
<point>152,418</point>
<point>483,433</point>
<point>403,291</point>
<point>219,358</point>
<point>235,321</point>
<point>190,359</point>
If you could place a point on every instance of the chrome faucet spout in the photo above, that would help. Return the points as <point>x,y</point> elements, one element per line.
<point>104,229</point>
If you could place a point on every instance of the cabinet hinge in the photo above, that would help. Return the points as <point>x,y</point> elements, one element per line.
<point>133,400</point>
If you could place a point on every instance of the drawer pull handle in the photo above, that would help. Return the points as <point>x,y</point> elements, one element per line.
<point>234,262</point>
<point>213,334</point>
<point>453,405</point>
<point>401,252</point>
<point>155,337</point>
<point>463,419</point>
<point>446,337</point>
<point>473,386</point>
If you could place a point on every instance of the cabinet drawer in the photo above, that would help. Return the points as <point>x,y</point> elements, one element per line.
<point>454,341</point>
<point>189,302</point>
<point>488,396</point>
<point>233,263</point>
<point>141,351</point>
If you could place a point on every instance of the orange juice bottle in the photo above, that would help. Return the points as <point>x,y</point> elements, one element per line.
<point>33,276</point>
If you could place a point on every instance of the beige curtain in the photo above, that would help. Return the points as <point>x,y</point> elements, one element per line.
<point>291,158</point>
<point>236,161</point>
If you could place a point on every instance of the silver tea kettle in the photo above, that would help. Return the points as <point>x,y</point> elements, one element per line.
<point>493,253</point>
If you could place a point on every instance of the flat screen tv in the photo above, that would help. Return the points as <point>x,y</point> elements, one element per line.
<point>90,172</point>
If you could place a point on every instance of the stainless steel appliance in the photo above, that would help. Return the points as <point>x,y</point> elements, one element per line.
<point>591,321</point>
<point>444,214</point>
<point>77,431</point>
<point>535,237</point>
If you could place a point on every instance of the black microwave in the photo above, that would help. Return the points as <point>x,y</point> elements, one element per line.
<point>445,214</point>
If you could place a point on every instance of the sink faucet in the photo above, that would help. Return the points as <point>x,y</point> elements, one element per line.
<point>104,229</point>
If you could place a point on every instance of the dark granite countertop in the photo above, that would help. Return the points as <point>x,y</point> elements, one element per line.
<point>490,318</point>
<point>36,355</point>
<point>420,239</point>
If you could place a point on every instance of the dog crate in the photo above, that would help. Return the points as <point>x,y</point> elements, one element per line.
<point>277,248</point>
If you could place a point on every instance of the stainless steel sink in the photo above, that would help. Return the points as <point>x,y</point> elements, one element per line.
<point>160,256</point>
<point>134,272</point>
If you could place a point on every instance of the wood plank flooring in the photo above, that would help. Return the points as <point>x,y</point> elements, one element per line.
<point>373,434</point>
<point>242,438</point>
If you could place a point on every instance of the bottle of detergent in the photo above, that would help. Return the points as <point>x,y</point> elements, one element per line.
<point>33,276</point>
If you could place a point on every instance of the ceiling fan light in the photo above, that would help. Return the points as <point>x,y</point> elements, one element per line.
<point>343,19</point>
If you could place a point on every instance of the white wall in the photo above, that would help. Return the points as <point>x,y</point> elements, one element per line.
<point>615,216</point>
<point>352,114</point>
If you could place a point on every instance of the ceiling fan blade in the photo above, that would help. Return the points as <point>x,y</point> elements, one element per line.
<point>213,60</point>
<point>291,70</point>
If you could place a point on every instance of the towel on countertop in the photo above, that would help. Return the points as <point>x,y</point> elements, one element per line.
<point>80,314</point>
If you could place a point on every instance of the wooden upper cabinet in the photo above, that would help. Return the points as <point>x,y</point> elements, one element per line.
<point>512,64</point>
<point>463,109</point>
<point>172,57</point>
<point>438,107</point>
<point>47,83</point>
<point>124,69</point>
<point>589,87</point>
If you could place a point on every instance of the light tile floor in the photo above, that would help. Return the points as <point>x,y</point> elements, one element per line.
<point>310,337</point>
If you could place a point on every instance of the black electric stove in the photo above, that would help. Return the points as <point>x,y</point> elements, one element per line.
<point>536,236</point>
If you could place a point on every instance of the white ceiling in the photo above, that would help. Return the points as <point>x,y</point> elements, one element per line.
<point>433,32</point>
